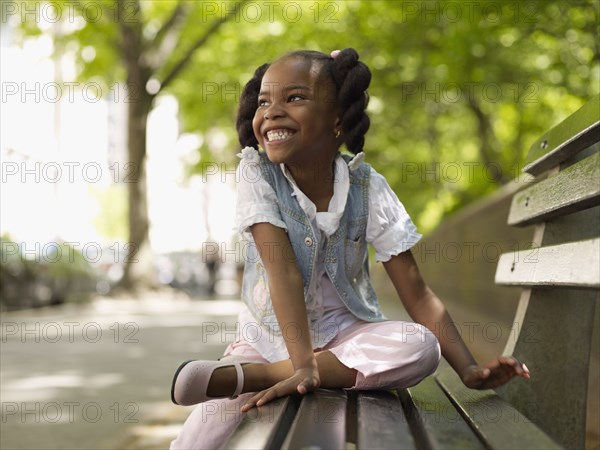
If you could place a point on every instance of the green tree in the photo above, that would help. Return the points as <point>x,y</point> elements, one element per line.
<point>147,46</point>
<point>459,89</point>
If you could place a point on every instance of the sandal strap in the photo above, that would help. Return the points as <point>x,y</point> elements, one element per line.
<point>240,380</point>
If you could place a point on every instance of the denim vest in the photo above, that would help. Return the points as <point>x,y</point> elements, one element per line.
<point>346,255</point>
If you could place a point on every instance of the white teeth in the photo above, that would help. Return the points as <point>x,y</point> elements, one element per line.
<point>278,135</point>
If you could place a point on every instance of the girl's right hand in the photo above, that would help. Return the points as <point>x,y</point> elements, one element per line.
<point>304,380</point>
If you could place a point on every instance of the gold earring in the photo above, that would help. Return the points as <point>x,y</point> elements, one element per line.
<point>337,134</point>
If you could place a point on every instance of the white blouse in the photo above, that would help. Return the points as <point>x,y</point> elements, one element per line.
<point>389,230</point>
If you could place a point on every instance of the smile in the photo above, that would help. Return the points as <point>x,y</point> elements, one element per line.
<point>279,134</point>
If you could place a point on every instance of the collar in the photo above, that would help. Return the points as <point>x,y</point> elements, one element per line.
<point>327,221</point>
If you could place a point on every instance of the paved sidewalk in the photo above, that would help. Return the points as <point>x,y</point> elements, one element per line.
<point>97,376</point>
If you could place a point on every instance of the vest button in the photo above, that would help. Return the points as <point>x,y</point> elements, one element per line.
<point>308,241</point>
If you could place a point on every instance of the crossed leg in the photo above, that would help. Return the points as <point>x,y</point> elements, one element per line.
<point>258,376</point>
<point>382,355</point>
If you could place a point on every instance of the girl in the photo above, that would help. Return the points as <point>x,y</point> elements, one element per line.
<point>312,318</point>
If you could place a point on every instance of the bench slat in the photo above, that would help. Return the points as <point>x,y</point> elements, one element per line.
<point>264,427</point>
<point>573,189</point>
<point>435,421</point>
<point>497,423</point>
<point>575,264</point>
<point>381,422</point>
<point>576,132</point>
<point>320,422</point>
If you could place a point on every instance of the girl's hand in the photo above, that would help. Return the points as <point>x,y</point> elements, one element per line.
<point>303,381</point>
<point>495,373</point>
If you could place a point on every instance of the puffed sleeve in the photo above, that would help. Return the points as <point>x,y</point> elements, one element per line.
<point>256,199</point>
<point>389,229</point>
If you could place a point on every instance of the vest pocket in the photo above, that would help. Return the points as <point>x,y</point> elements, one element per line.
<point>355,255</point>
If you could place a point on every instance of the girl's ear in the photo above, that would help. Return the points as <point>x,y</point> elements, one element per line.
<point>337,127</point>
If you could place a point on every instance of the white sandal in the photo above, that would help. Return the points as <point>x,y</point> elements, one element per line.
<point>191,379</point>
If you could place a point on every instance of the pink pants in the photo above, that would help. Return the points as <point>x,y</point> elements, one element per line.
<point>386,355</point>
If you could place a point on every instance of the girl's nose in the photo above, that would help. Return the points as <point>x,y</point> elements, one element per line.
<point>274,111</point>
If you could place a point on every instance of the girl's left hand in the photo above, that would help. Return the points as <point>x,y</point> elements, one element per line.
<point>495,373</point>
<point>304,380</point>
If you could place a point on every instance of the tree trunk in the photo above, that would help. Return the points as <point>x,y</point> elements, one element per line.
<point>139,268</point>
<point>138,263</point>
<point>487,142</point>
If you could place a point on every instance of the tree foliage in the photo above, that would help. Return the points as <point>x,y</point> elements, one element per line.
<point>459,89</point>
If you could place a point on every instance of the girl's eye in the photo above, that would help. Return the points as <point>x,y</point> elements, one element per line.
<point>262,102</point>
<point>295,97</point>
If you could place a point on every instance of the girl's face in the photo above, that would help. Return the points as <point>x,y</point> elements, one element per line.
<point>296,117</point>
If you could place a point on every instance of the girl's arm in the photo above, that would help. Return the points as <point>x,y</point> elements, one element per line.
<point>428,310</point>
<point>287,296</point>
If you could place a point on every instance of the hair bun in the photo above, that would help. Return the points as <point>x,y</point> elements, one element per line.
<point>344,62</point>
<point>352,78</point>
<point>247,109</point>
<point>350,55</point>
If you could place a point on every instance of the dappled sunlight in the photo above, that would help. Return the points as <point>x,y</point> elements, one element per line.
<point>152,434</point>
<point>114,380</point>
<point>65,380</point>
<point>160,307</point>
<point>46,387</point>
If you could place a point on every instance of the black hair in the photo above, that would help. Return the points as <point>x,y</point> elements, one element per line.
<point>351,79</point>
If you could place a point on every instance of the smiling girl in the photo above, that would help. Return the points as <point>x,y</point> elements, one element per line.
<point>311,317</point>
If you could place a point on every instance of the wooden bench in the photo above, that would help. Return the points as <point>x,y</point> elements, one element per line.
<point>552,333</point>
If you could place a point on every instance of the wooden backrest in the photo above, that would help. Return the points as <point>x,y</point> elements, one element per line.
<point>560,273</point>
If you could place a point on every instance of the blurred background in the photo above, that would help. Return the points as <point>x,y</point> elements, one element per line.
<point>119,255</point>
